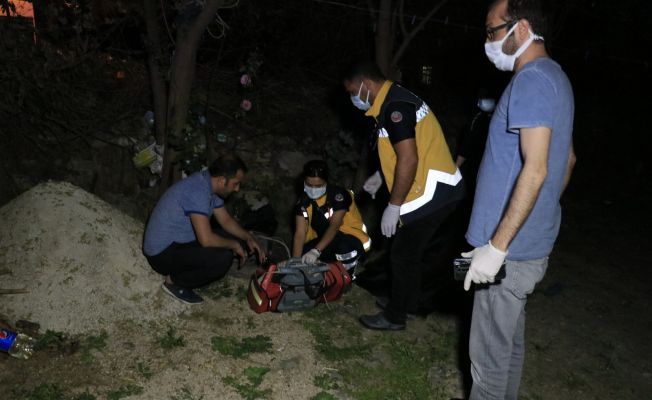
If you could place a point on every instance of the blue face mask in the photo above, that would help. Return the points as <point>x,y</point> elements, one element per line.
<point>314,192</point>
<point>357,101</point>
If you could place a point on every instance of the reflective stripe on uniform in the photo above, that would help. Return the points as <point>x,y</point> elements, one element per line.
<point>433,177</point>
<point>422,112</point>
<point>366,245</point>
<point>347,256</point>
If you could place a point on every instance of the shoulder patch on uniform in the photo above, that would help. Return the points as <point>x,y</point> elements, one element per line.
<point>396,117</point>
<point>339,197</point>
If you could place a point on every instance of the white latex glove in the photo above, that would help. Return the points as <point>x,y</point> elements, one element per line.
<point>485,264</point>
<point>311,256</point>
<point>372,184</point>
<point>390,220</point>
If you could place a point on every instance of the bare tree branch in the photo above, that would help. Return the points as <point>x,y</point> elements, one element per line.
<point>407,39</point>
<point>401,17</point>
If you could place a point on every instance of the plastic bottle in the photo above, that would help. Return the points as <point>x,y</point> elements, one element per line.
<point>16,344</point>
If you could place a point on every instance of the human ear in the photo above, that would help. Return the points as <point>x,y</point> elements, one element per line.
<point>523,30</point>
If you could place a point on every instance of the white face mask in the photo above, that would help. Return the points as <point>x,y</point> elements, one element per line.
<point>314,192</point>
<point>357,101</point>
<point>502,61</point>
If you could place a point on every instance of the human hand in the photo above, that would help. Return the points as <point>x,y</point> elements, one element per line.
<point>485,264</point>
<point>311,256</point>
<point>372,184</point>
<point>254,246</point>
<point>238,251</point>
<point>390,219</point>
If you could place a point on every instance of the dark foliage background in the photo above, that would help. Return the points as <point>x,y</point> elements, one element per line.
<point>72,104</point>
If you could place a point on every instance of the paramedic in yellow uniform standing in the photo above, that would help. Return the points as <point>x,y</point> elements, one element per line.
<point>329,226</point>
<point>424,183</point>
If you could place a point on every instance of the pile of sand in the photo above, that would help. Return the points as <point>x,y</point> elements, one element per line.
<point>79,259</point>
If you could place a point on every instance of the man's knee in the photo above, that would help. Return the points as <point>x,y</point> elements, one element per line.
<point>220,262</point>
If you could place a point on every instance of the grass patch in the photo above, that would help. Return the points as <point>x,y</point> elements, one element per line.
<point>574,382</point>
<point>53,392</point>
<point>50,338</point>
<point>96,342</point>
<point>230,346</point>
<point>325,382</point>
<point>185,394</point>
<point>144,370</point>
<point>93,342</point>
<point>45,392</point>
<point>170,340</point>
<point>124,391</point>
<point>404,376</point>
<point>388,366</point>
<point>218,289</point>
<point>323,396</point>
<point>322,323</point>
<point>241,292</point>
<point>250,391</point>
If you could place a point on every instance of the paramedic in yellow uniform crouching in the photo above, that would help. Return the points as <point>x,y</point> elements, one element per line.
<point>423,181</point>
<point>328,224</point>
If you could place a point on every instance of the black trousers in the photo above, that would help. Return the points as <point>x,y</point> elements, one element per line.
<point>191,265</point>
<point>407,258</point>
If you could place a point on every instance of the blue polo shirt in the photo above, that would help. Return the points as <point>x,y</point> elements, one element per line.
<point>539,95</point>
<point>170,220</point>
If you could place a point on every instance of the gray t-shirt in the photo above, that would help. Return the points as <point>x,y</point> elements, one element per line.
<point>539,95</point>
<point>170,220</point>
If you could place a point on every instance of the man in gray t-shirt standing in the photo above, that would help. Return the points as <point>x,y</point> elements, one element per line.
<point>516,214</point>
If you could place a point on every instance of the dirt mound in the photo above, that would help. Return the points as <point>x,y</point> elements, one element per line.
<point>80,261</point>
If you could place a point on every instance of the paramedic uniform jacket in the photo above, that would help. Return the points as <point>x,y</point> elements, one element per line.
<point>400,115</point>
<point>335,199</point>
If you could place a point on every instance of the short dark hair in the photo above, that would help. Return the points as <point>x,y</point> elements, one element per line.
<point>363,69</point>
<point>316,168</point>
<point>531,10</point>
<point>227,166</point>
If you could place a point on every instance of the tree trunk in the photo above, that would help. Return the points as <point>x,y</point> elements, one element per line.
<point>181,78</point>
<point>384,37</point>
<point>386,58</point>
<point>154,57</point>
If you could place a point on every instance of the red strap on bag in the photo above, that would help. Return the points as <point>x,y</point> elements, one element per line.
<point>337,279</point>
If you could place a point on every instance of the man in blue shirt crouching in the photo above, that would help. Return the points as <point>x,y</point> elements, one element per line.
<point>179,241</point>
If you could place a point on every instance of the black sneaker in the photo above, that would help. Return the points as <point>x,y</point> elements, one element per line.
<point>182,294</point>
<point>380,323</point>
<point>381,302</point>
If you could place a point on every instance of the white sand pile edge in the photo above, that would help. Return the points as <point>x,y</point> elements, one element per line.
<point>79,258</point>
